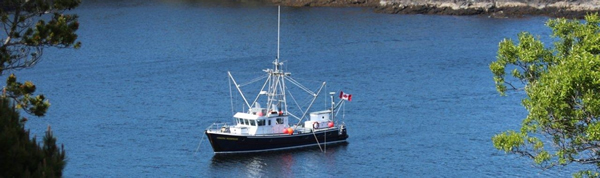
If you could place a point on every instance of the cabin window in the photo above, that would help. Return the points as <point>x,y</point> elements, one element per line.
<point>239,121</point>
<point>269,122</point>
<point>261,122</point>
<point>279,120</point>
<point>246,122</point>
<point>253,122</point>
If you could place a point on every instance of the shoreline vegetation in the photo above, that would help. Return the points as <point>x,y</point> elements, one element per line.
<point>490,8</point>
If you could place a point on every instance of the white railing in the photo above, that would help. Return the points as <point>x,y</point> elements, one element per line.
<point>217,126</point>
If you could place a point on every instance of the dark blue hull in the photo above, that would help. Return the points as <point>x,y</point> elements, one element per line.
<point>228,143</point>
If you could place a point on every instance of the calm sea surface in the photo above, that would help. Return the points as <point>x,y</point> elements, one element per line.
<point>151,76</point>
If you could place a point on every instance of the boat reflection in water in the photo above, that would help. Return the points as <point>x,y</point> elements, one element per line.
<point>276,163</point>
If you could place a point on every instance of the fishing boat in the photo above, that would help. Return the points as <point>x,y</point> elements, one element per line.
<point>258,129</point>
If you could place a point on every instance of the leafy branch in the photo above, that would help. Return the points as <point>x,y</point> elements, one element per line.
<point>563,94</point>
<point>24,41</point>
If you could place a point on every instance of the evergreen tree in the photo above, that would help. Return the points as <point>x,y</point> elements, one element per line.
<point>29,27</point>
<point>21,156</point>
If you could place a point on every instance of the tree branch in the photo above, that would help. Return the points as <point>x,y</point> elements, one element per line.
<point>524,153</point>
<point>14,24</point>
<point>593,160</point>
<point>513,87</point>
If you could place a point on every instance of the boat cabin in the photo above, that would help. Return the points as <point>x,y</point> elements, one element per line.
<point>258,123</point>
<point>319,120</point>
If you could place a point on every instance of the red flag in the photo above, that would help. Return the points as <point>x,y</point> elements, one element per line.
<point>345,96</point>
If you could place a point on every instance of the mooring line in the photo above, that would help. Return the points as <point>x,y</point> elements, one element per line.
<point>325,142</point>
<point>203,135</point>
<point>319,144</point>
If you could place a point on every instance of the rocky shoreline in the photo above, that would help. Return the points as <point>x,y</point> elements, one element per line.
<point>490,8</point>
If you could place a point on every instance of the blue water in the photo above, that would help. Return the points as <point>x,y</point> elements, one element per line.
<point>151,76</point>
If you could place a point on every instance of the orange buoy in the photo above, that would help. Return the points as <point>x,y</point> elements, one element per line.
<point>290,131</point>
<point>259,114</point>
<point>330,124</point>
<point>286,131</point>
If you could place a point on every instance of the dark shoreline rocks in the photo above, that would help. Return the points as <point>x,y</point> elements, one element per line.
<point>328,3</point>
<point>489,8</point>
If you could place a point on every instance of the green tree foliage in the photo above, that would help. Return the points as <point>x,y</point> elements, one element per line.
<point>29,27</point>
<point>563,94</point>
<point>22,156</point>
<point>22,94</point>
<point>28,30</point>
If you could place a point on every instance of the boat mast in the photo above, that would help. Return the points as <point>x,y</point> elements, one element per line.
<point>276,93</point>
<point>278,24</point>
<point>283,74</point>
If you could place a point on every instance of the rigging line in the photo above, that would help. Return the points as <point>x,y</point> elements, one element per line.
<point>304,80</point>
<point>283,91</point>
<point>273,96</point>
<point>313,101</point>
<point>343,112</point>
<point>231,96</point>
<point>336,112</point>
<point>254,80</point>
<point>294,117</point>
<point>306,100</point>
<point>337,106</point>
<point>283,97</point>
<point>295,102</point>
<point>261,89</point>
<point>278,97</point>
<point>300,85</point>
